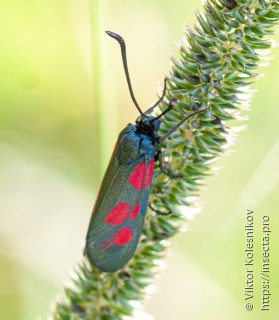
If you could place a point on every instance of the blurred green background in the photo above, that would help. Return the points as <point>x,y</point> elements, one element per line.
<point>63,101</point>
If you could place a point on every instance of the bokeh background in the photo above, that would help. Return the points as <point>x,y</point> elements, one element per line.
<point>63,101</point>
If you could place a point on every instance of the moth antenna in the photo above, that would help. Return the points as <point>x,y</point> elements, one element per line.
<point>180,123</point>
<point>172,103</point>
<point>160,100</point>
<point>121,42</point>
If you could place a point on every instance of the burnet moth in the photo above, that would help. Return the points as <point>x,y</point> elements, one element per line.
<point>118,215</point>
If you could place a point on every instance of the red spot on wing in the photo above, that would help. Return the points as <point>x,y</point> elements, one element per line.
<point>118,214</point>
<point>108,244</point>
<point>124,236</point>
<point>149,173</point>
<point>134,212</point>
<point>137,177</point>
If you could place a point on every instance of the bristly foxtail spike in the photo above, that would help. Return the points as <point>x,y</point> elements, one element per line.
<point>125,65</point>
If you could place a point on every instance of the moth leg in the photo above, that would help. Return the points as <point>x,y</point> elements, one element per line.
<point>159,157</point>
<point>158,211</point>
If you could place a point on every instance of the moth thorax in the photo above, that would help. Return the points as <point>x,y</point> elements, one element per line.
<point>148,126</point>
